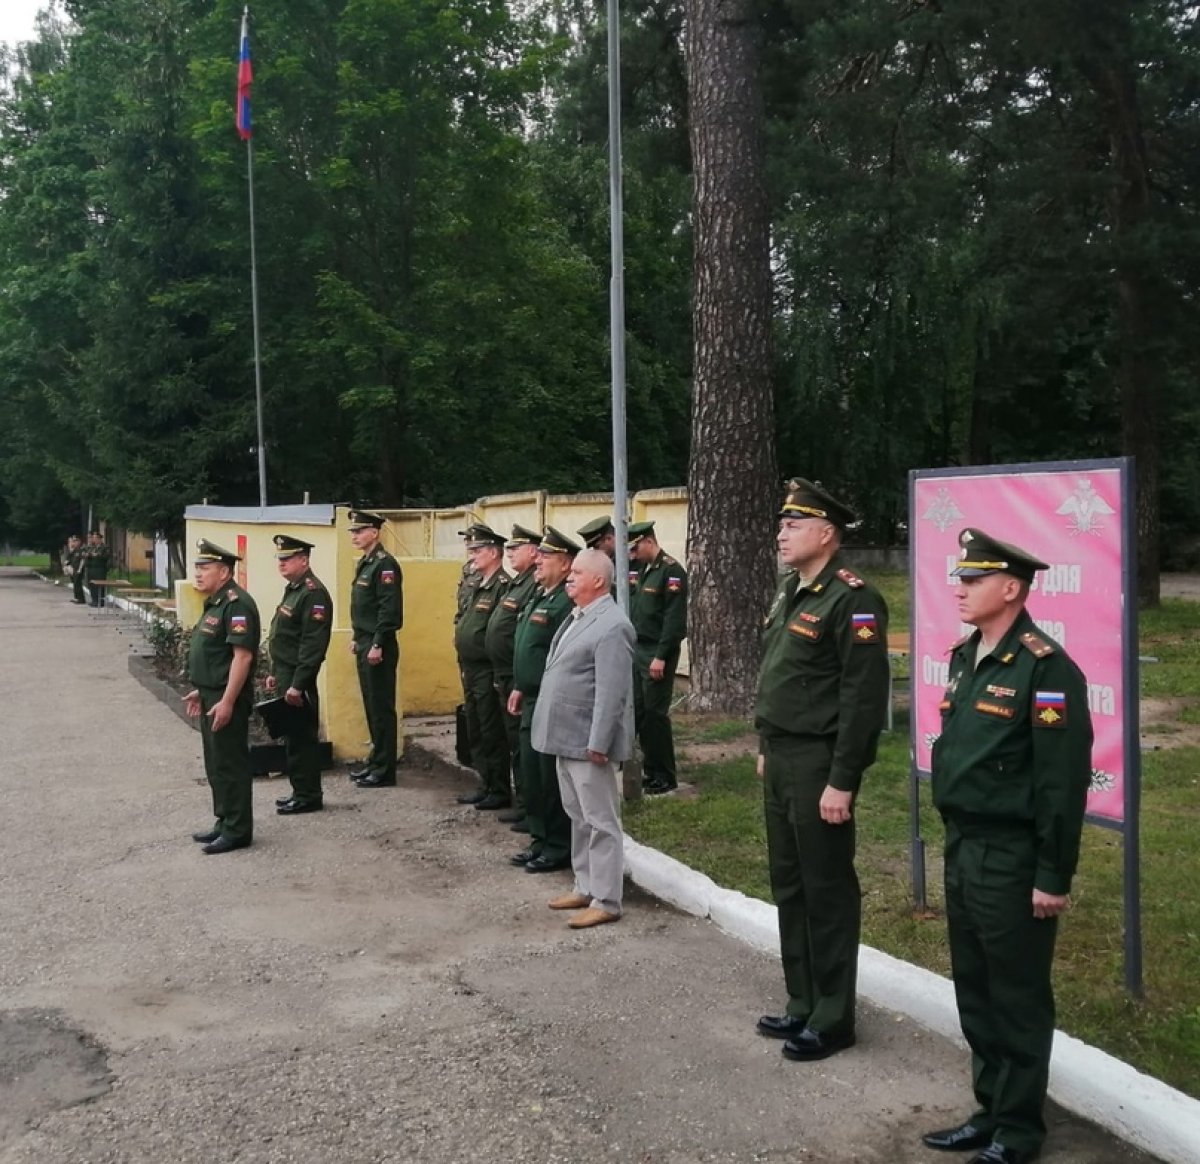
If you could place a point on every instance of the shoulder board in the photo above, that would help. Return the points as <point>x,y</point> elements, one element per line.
<point>669,561</point>
<point>1036,645</point>
<point>958,643</point>
<point>311,582</point>
<point>231,593</point>
<point>851,579</point>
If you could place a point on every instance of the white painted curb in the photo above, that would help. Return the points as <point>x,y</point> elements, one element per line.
<point>1139,1109</point>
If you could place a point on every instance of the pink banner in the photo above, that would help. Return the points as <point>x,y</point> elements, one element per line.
<point>1068,516</point>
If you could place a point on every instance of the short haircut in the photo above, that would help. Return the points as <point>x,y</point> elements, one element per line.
<point>596,562</point>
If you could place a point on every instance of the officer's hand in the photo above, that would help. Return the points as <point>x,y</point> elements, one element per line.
<point>294,696</point>
<point>836,805</point>
<point>269,683</point>
<point>658,668</point>
<point>514,703</point>
<point>761,767</point>
<point>220,714</point>
<point>375,656</point>
<point>597,757</point>
<point>191,704</point>
<point>1050,904</point>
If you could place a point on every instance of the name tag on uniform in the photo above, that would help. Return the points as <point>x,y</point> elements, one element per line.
<point>484,606</point>
<point>510,604</point>
<point>286,611</point>
<point>649,589</point>
<point>803,631</point>
<point>540,617</point>
<point>988,707</point>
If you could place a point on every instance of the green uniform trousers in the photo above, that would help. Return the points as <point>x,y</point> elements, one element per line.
<point>302,751</point>
<point>549,825</point>
<point>227,765</point>
<point>378,687</point>
<point>485,728</point>
<point>1000,957</point>
<point>77,585</point>
<point>652,714</point>
<point>813,882</point>
<point>512,733</point>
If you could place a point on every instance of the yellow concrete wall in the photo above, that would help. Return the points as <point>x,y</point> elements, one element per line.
<point>567,512</point>
<point>428,666</point>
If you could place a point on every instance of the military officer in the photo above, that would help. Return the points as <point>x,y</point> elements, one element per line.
<point>549,826</point>
<point>485,718</point>
<point>599,534</point>
<point>298,644</point>
<point>822,703</point>
<point>221,658</point>
<point>95,565</point>
<point>376,615</point>
<point>658,611</point>
<point>522,552</point>
<point>1011,770</point>
<point>75,560</point>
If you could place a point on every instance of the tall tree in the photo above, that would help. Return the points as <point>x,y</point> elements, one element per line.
<point>732,478</point>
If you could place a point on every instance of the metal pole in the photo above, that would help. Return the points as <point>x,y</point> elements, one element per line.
<point>617,306</point>
<point>1131,825</point>
<point>258,394</point>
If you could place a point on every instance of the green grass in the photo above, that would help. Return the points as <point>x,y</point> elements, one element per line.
<point>721,834</point>
<point>32,561</point>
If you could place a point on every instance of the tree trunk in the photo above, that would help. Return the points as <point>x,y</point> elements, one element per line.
<point>733,484</point>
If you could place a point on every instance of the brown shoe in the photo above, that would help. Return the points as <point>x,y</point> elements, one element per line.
<point>570,901</point>
<point>592,917</point>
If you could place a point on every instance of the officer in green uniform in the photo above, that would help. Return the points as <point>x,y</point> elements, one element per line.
<point>221,658</point>
<point>549,826</point>
<point>75,560</point>
<point>522,550</point>
<point>376,615</point>
<point>1011,770</point>
<point>485,717</point>
<point>658,611</point>
<point>298,644</point>
<point>822,703</point>
<point>599,534</point>
<point>95,565</point>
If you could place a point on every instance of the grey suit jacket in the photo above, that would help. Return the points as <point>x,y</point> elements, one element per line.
<point>586,699</point>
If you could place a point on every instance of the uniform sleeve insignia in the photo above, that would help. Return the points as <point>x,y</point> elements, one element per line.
<point>633,577</point>
<point>238,624</point>
<point>674,585</point>
<point>387,577</point>
<point>1050,709</point>
<point>864,627</point>
<point>1037,645</point>
<point>805,632</point>
<point>999,710</point>
<point>318,612</point>
<point>851,579</point>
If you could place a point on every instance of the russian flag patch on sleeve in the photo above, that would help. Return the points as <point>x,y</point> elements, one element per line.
<point>1050,709</point>
<point>866,629</point>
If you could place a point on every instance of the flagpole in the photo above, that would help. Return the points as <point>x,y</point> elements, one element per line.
<point>258,392</point>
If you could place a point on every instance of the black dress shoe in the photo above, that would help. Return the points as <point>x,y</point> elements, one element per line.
<point>512,815</point>
<point>359,773</point>
<point>223,845</point>
<point>372,780</point>
<point>998,1154</point>
<point>295,807</point>
<point>206,838</point>
<point>809,1045</point>
<point>960,1139</point>
<point>547,864</point>
<point>522,826</point>
<point>282,800</point>
<point>492,801</point>
<point>658,787</point>
<point>470,797</point>
<point>780,1026</point>
<point>522,858</point>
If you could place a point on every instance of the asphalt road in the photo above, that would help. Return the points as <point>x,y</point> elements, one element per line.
<point>372,983</point>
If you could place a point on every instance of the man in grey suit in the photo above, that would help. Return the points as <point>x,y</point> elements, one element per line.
<point>584,718</point>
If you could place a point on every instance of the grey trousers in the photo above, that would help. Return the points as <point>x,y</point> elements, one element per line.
<point>590,796</point>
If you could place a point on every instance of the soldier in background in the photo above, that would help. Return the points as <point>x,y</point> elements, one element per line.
<point>95,565</point>
<point>74,567</point>
<point>484,716</point>
<point>599,534</point>
<point>298,644</point>
<point>658,611</point>
<point>221,657</point>
<point>376,615</point>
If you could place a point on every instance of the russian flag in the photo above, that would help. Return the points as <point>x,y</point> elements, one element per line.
<point>245,77</point>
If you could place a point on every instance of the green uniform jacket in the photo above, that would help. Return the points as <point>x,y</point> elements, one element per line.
<point>502,625</point>
<point>300,632</point>
<point>95,561</point>
<point>229,619</point>
<point>658,605</point>
<point>1016,745</point>
<point>825,667</point>
<point>377,597</point>
<point>470,632</point>
<point>536,627</point>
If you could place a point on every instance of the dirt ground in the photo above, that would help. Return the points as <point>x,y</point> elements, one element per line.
<point>374,983</point>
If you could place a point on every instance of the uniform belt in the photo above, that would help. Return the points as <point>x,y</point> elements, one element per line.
<point>974,824</point>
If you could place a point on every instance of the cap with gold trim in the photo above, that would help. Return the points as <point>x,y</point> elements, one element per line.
<point>981,554</point>
<point>479,535</point>
<point>207,551</point>
<point>594,530</point>
<point>809,499</point>
<point>556,542</point>
<point>361,519</point>
<point>287,547</point>
<point>522,536</point>
<point>639,530</point>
